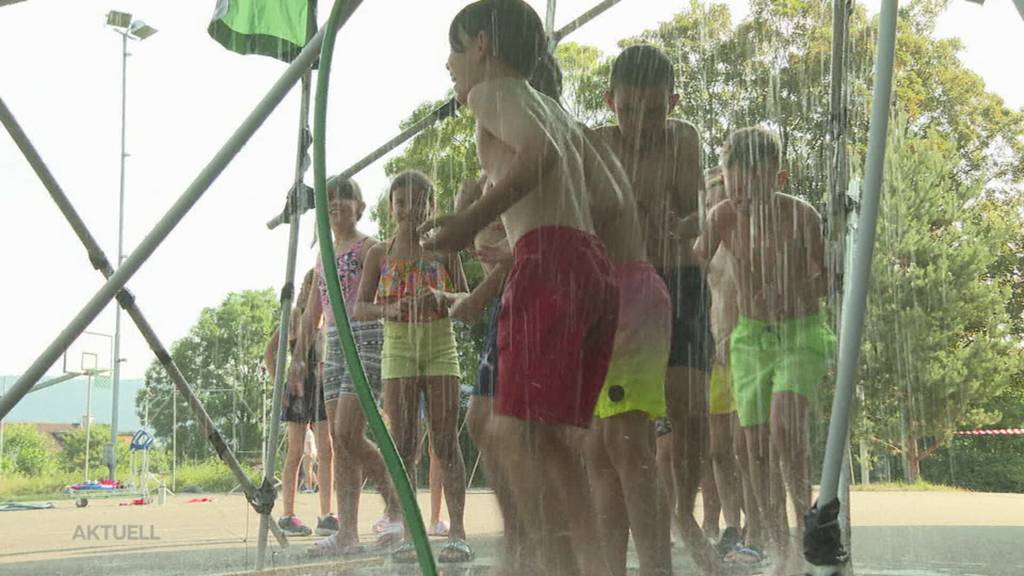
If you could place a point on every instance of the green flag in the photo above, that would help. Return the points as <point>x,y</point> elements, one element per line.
<point>275,28</point>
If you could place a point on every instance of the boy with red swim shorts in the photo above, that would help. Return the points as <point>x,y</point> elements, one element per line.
<point>560,303</point>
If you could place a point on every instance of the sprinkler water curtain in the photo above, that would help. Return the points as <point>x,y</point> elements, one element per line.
<point>406,494</point>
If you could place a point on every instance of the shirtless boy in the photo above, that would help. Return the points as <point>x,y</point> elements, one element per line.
<point>560,303</point>
<point>781,347</point>
<point>662,158</point>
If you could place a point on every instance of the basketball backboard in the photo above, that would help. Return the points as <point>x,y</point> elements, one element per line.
<point>89,353</point>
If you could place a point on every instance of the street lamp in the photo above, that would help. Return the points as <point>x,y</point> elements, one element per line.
<point>122,23</point>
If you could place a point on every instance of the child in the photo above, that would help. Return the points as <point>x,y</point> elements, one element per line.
<point>411,288</point>
<point>556,325</point>
<point>620,448</point>
<point>303,407</point>
<point>662,158</point>
<point>726,455</point>
<point>781,346</point>
<point>356,457</point>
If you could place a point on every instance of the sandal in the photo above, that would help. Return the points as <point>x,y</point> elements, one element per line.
<point>393,535</point>
<point>743,555</point>
<point>405,554</point>
<point>456,550</point>
<point>329,548</point>
<point>439,529</point>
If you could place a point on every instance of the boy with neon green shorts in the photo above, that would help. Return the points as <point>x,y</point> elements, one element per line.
<point>781,347</point>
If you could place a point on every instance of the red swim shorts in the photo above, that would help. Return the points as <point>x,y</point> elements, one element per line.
<point>556,327</point>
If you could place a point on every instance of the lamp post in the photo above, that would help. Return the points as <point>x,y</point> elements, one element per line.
<point>129,29</point>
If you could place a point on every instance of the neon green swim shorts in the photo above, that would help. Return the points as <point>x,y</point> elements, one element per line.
<point>415,349</point>
<point>769,357</point>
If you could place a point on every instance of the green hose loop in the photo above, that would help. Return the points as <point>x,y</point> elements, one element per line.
<point>406,495</point>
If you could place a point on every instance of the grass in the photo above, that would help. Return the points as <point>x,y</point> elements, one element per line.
<point>919,486</point>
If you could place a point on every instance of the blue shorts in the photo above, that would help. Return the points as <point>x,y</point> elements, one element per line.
<point>487,375</point>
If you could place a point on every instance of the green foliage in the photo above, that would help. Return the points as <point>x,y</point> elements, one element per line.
<point>72,457</point>
<point>210,475</point>
<point>981,463</point>
<point>938,342</point>
<point>27,452</point>
<point>222,359</point>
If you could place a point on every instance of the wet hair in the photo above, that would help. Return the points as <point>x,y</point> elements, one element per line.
<point>347,190</point>
<point>547,76</point>
<point>643,66</point>
<point>513,27</point>
<point>412,180</point>
<point>752,149</point>
<point>307,285</point>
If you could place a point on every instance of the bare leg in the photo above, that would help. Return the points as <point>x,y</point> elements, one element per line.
<point>609,504</point>
<point>710,499</point>
<point>726,468</point>
<point>356,457</point>
<point>765,493</point>
<point>289,482</point>
<point>544,475</point>
<point>686,399</point>
<point>443,418</point>
<point>490,445</point>
<point>630,445</point>
<point>789,441</point>
<point>325,465</point>
<point>667,477</point>
<point>401,402</point>
<point>436,476</point>
<point>755,531</point>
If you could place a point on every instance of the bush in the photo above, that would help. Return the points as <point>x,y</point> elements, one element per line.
<point>27,451</point>
<point>981,463</point>
<point>72,458</point>
<point>211,475</point>
<point>17,487</point>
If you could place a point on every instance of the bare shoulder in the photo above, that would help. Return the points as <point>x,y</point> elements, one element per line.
<point>803,209</point>
<point>368,243</point>
<point>376,251</point>
<point>683,133</point>
<point>608,132</point>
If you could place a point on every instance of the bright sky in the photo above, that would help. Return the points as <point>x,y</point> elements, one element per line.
<point>186,94</point>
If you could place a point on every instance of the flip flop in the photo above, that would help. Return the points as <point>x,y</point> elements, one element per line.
<point>405,554</point>
<point>742,555</point>
<point>329,548</point>
<point>456,550</point>
<point>439,529</point>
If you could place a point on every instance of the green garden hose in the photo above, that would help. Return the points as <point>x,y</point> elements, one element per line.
<point>406,494</point>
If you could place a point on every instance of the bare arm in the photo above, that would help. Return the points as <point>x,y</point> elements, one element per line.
<point>470,308</point>
<point>366,309</point>
<point>721,222</point>
<point>270,354</point>
<point>514,124</point>
<point>690,182</point>
<point>606,180</point>
<point>815,250</point>
<point>305,330</point>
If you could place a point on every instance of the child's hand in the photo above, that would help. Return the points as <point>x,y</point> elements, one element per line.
<point>449,233</point>
<point>430,303</point>
<point>495,253</point>
<point>465,309</point>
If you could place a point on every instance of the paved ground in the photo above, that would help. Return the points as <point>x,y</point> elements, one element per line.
<point>895,534</point>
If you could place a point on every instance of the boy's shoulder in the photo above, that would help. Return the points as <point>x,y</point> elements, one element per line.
<point>682,132</point>
<point>800,206</point>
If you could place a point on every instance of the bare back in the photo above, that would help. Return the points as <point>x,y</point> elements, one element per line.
<point>613,204</point>
<point>667,182</point>
<point>514,120</point>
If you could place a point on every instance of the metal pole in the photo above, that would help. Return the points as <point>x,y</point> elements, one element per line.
<point>116,385</point>
<point>174,441</point>
<point>549,25</point>
<point>88,422</point>
<point>3,390</point>
<point>856,300</point>
<point>127,301</point>
<point>287,298</point>
<point>163,228</point>
<point>583,19</point>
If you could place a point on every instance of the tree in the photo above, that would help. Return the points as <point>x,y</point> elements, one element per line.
<point>72,457</point>
<point>222,358</point>
<point>27,451</point>
<point>938,343</point>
